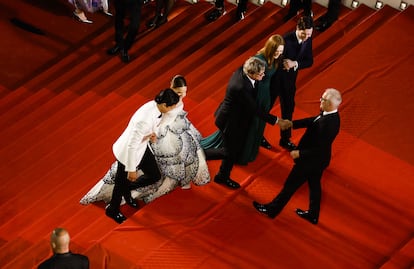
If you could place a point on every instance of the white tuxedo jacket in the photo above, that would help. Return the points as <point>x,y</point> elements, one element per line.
<point>131,145</point>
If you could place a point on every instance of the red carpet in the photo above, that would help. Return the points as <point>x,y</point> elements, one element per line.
<point>63,104</point>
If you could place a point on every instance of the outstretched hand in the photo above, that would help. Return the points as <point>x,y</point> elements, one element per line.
<point>295,154</point>
<point>284,124</point>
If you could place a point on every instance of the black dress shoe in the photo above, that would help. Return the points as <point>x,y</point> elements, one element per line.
<point>158,20</point>
<point>132,202</point>
<point>307,216</point>
<point>124,56</point>
<point>116,215</point>
<point>289,16</point>
<point>264,143</point>
<point>227,181</point>
<point>262,208</point>
<point>114,50</point>
<point>215,14</point>
<point>240,15</point>
<point>286,144</point>
<point>161,21</point>
<point>322,26</point>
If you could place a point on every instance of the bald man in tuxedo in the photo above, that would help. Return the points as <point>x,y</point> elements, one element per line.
<point>62,257</point>
<point>311,158</point>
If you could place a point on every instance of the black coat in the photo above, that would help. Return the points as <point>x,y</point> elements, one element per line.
<point>66,261</point>
<point>236,111</point>
<point>315,146</point>
<point>302,53</point>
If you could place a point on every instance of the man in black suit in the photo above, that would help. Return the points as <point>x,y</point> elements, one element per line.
<point>297,55</point>
<point>235,114</point>
<point>122,45</point>
<point>311,158</point>
<point>62,257</point>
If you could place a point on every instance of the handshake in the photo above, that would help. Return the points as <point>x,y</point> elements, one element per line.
<point>284,124</point>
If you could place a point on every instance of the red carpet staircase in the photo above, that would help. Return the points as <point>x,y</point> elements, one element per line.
<point>60,125</point>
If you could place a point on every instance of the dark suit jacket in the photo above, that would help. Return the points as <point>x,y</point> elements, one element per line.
<point>302,53</point>
<point>236,111</point>
<point>66,261</point>
<point>316,143</point>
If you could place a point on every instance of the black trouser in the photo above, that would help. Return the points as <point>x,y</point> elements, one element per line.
<point>163,7</point>
<point>122,187</point>
<point>333,11</point>
<point>122,7</point>
<point>296,5</point>
<point>229,157</point>
<point>287,105</point>
<point>296,178</point>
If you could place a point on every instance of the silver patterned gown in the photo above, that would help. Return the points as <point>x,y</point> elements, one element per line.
<point>179,156</point>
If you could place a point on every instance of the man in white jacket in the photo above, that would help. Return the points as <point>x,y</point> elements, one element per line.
<point>132,150</point>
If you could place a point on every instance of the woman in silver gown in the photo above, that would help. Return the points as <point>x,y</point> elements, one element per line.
<point>178,153</point>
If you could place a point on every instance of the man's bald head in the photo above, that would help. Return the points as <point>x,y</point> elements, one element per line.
<point>59,240</point>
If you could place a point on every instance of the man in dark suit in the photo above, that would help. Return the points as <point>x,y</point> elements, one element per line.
<point>311,158</point>
<point>235,113</point>
<point>62,257</point>
<point>297,55</point>
<point>122,45</point>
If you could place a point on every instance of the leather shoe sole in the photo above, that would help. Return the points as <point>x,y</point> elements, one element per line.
<point>124,56</point>
<point>115,215</point>
<point>287,145</point>
<point>306,215</point>
<point>114,50</point>
<point>215,14</point>
<point>227,182</point>
<point>322,26</point>
<point>264,143</point>
<point>262,208</point>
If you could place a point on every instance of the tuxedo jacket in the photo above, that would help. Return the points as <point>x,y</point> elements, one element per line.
<point>235,113</point>
<point>315,146</point>
<point>131,145</point>
<point>65,261</point>
<point>302,53</point>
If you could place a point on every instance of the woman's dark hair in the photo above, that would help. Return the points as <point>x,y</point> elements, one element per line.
<point>178,81</point>
<point>167,96</point>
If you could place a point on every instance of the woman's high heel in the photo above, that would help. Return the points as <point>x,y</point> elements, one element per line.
<point>106,12</point>
<point>84,20</point>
